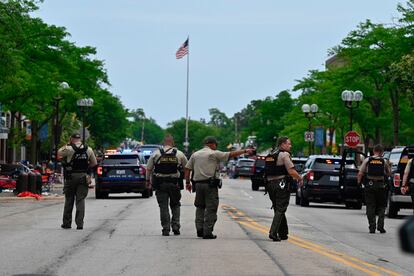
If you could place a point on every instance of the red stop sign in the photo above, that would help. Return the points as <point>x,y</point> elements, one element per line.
<point>352,139</point>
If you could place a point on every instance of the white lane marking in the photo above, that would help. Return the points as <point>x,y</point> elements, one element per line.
<point>246,194</point>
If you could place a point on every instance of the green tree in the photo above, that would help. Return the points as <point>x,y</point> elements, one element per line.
<point>197,131</point>
<point>143,127</point>
<point>36,57</point>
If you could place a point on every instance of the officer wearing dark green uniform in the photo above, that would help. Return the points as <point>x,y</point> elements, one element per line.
<point>408,180</point>
<point>77,159</point>
<point>279,170</point>
<point>163,173</point>
<point>204,165</point>
<point>376,170</point>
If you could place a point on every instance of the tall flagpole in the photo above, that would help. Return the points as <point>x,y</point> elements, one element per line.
<point>186,143</point>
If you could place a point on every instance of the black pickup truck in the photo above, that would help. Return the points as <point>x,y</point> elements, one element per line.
<point>399,157</point>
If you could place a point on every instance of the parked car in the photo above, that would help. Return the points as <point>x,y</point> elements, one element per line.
<point>330,178</point>
<point>258,177</point>
<point>244,167</point>
<point>121,173</point>
<point>231,165</point>
<point>386,155</point>
<point>399,157</point>
<point>299,163</point>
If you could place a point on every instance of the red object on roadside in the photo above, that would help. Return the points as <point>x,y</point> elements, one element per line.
<point>29,194</point>
<point>45,178</point>
<point>7,183</point>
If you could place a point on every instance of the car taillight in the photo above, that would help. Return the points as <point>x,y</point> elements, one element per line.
<point>310,175</point>
<point>397,180</point>
<point>99,170</point>
<point>142,170</point>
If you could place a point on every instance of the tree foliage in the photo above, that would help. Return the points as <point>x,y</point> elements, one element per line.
<point>35,58</point>
<point>144,129</point>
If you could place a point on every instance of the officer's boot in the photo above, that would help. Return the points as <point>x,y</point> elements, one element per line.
<point>380,224</point>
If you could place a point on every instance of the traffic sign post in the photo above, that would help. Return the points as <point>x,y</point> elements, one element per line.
<point>309,136</point>
<point>352,139</point>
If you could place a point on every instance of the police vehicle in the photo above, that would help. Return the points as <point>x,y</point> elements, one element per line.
<point>258,177</point>
<point>299,163</point>
<point>121,172</point>
<point>399,157</point>
<point>328,178</point>
<point>147,150</point>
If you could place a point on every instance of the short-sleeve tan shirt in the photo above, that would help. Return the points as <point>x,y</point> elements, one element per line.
<point>387,169</point>
<point>205,163</point>
<point>182,160</point>
<point>283,159</point>
<point>66,152</point>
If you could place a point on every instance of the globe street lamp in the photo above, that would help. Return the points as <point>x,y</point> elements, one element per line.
<point>310,112</point>
<point>350,97</point>
<point>62,86</point>
<point>83,105</point>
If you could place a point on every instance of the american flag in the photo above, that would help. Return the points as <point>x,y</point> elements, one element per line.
<point>183,50</point>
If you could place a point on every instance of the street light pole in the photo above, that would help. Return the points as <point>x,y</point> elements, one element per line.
<point>309,129</point>
<point>56,136</point>
<point>142,130</point>
<point>310,112</point>
<point>83,104</point>
<point>63,85</point>
<point>350,97</point>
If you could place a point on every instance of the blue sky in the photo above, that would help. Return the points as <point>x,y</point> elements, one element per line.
<point>239,50</point>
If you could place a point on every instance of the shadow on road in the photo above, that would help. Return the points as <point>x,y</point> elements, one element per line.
<point>125,197</point>
<point>327,207</point>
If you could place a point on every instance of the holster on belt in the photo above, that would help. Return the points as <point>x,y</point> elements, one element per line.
<point>67,173</point>
<point>374,183</point>
<point>157,182</point>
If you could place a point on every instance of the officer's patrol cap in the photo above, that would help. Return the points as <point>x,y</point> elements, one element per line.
<point>75,136</point>
<point>210,140</point>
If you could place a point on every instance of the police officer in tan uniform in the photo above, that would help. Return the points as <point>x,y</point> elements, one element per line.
<point>164,175</point>
<point>375,170</point>
<point>204,165</point>
<point>408,180</point>
<point>279,170</point>
<point>77,160</point>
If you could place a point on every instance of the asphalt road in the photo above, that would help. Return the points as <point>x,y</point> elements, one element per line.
<point>122,236</point>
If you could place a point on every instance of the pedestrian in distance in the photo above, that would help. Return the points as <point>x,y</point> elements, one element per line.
<point>408,180</point>
<point>279,171</point>
<point>164,173</point>
<point>78,161</point>
<point>204,166</point>
<point>374,173</point>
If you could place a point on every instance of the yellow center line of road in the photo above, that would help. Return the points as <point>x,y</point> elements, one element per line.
<point>353,262</point>
<point>238,215</point>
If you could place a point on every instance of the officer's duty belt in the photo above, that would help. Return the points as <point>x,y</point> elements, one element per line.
<point>207,181</point>
<point>376,180</point>
<point>167,179</point>
<point>276,179</point>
